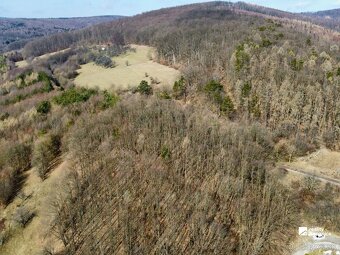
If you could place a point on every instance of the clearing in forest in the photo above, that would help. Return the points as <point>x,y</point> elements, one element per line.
<point>24,63</point>
<point>323,163</point>
<point>131,68</point>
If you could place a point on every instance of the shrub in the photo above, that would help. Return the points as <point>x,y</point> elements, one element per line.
<point>22,78</point>
<point>154,80</point>
<point>262,28</point>
<point>296,64</point>
<point>74,95</point>
<point>115,50</point>
<point>246,89</point>
<point>266,43</point>
<point>22,216</point>
<point>2,63</point>
<point>164,95</point>
<point>215,90</point>
<point>303,145</point>
<point>4,236</point>
<point>13,160</point>
<point>45,151</point>
<point>179,88</point>
<point>105,61</point>
<point>165,153</point>
<point>3,91</point>
<point>279,36</point>
<point>227,106</point>
<point>284,150</point>
<point>43,77</point>
<point>48,250</point>
<point>44,107</point>
<point>330,76</point>
<point>8,182</point>
<point>311,183</point>
<point>254,107</point>
<point>110,100</point>
<point>284,130</point>
<point>144,88</point>
<point>213,87</point>
<point>334,48</point>
<point>18,157</point>
<point>4,116</point>
<point>242,58</point>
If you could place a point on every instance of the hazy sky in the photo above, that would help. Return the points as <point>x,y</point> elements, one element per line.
<point>72,8</point>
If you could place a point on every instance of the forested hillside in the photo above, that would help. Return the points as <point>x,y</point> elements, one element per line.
<point>181,171</point>
<point>134,29</point>
<point>16,32</point>
<point>330,18</point>
<point>283,74</point>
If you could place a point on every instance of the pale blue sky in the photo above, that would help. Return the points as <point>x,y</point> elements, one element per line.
<point>72,8</point>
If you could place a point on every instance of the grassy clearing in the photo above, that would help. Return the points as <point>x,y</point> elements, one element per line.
<point>323,162</point>
<point>24,63</point>
<point>130,70</point>
<point>21,64</point>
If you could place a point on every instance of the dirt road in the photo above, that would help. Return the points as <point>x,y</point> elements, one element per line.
<point>318,177</point>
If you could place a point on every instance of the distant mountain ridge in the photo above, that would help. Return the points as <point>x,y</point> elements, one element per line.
<point>16,32</point>
<point>333,13</point>
<point>127,28</point>
<point>328,18</point>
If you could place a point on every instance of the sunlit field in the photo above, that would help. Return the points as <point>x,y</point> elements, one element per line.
<point>131,68</point>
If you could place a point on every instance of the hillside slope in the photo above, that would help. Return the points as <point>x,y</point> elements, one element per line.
<point>329,18</point>
<point>188,169</point>
<point>15,32</point>
<point>134,28</point>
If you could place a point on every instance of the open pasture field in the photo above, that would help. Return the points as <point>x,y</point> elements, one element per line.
<point>131,68</point>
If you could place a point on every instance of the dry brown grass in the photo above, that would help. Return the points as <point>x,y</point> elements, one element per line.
<point>32,239</point>
<point>124,77</point>
<point>24,63</point>
<point>324,162</point>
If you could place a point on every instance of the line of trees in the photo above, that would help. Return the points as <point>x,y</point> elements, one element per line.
<point>94,35</point>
